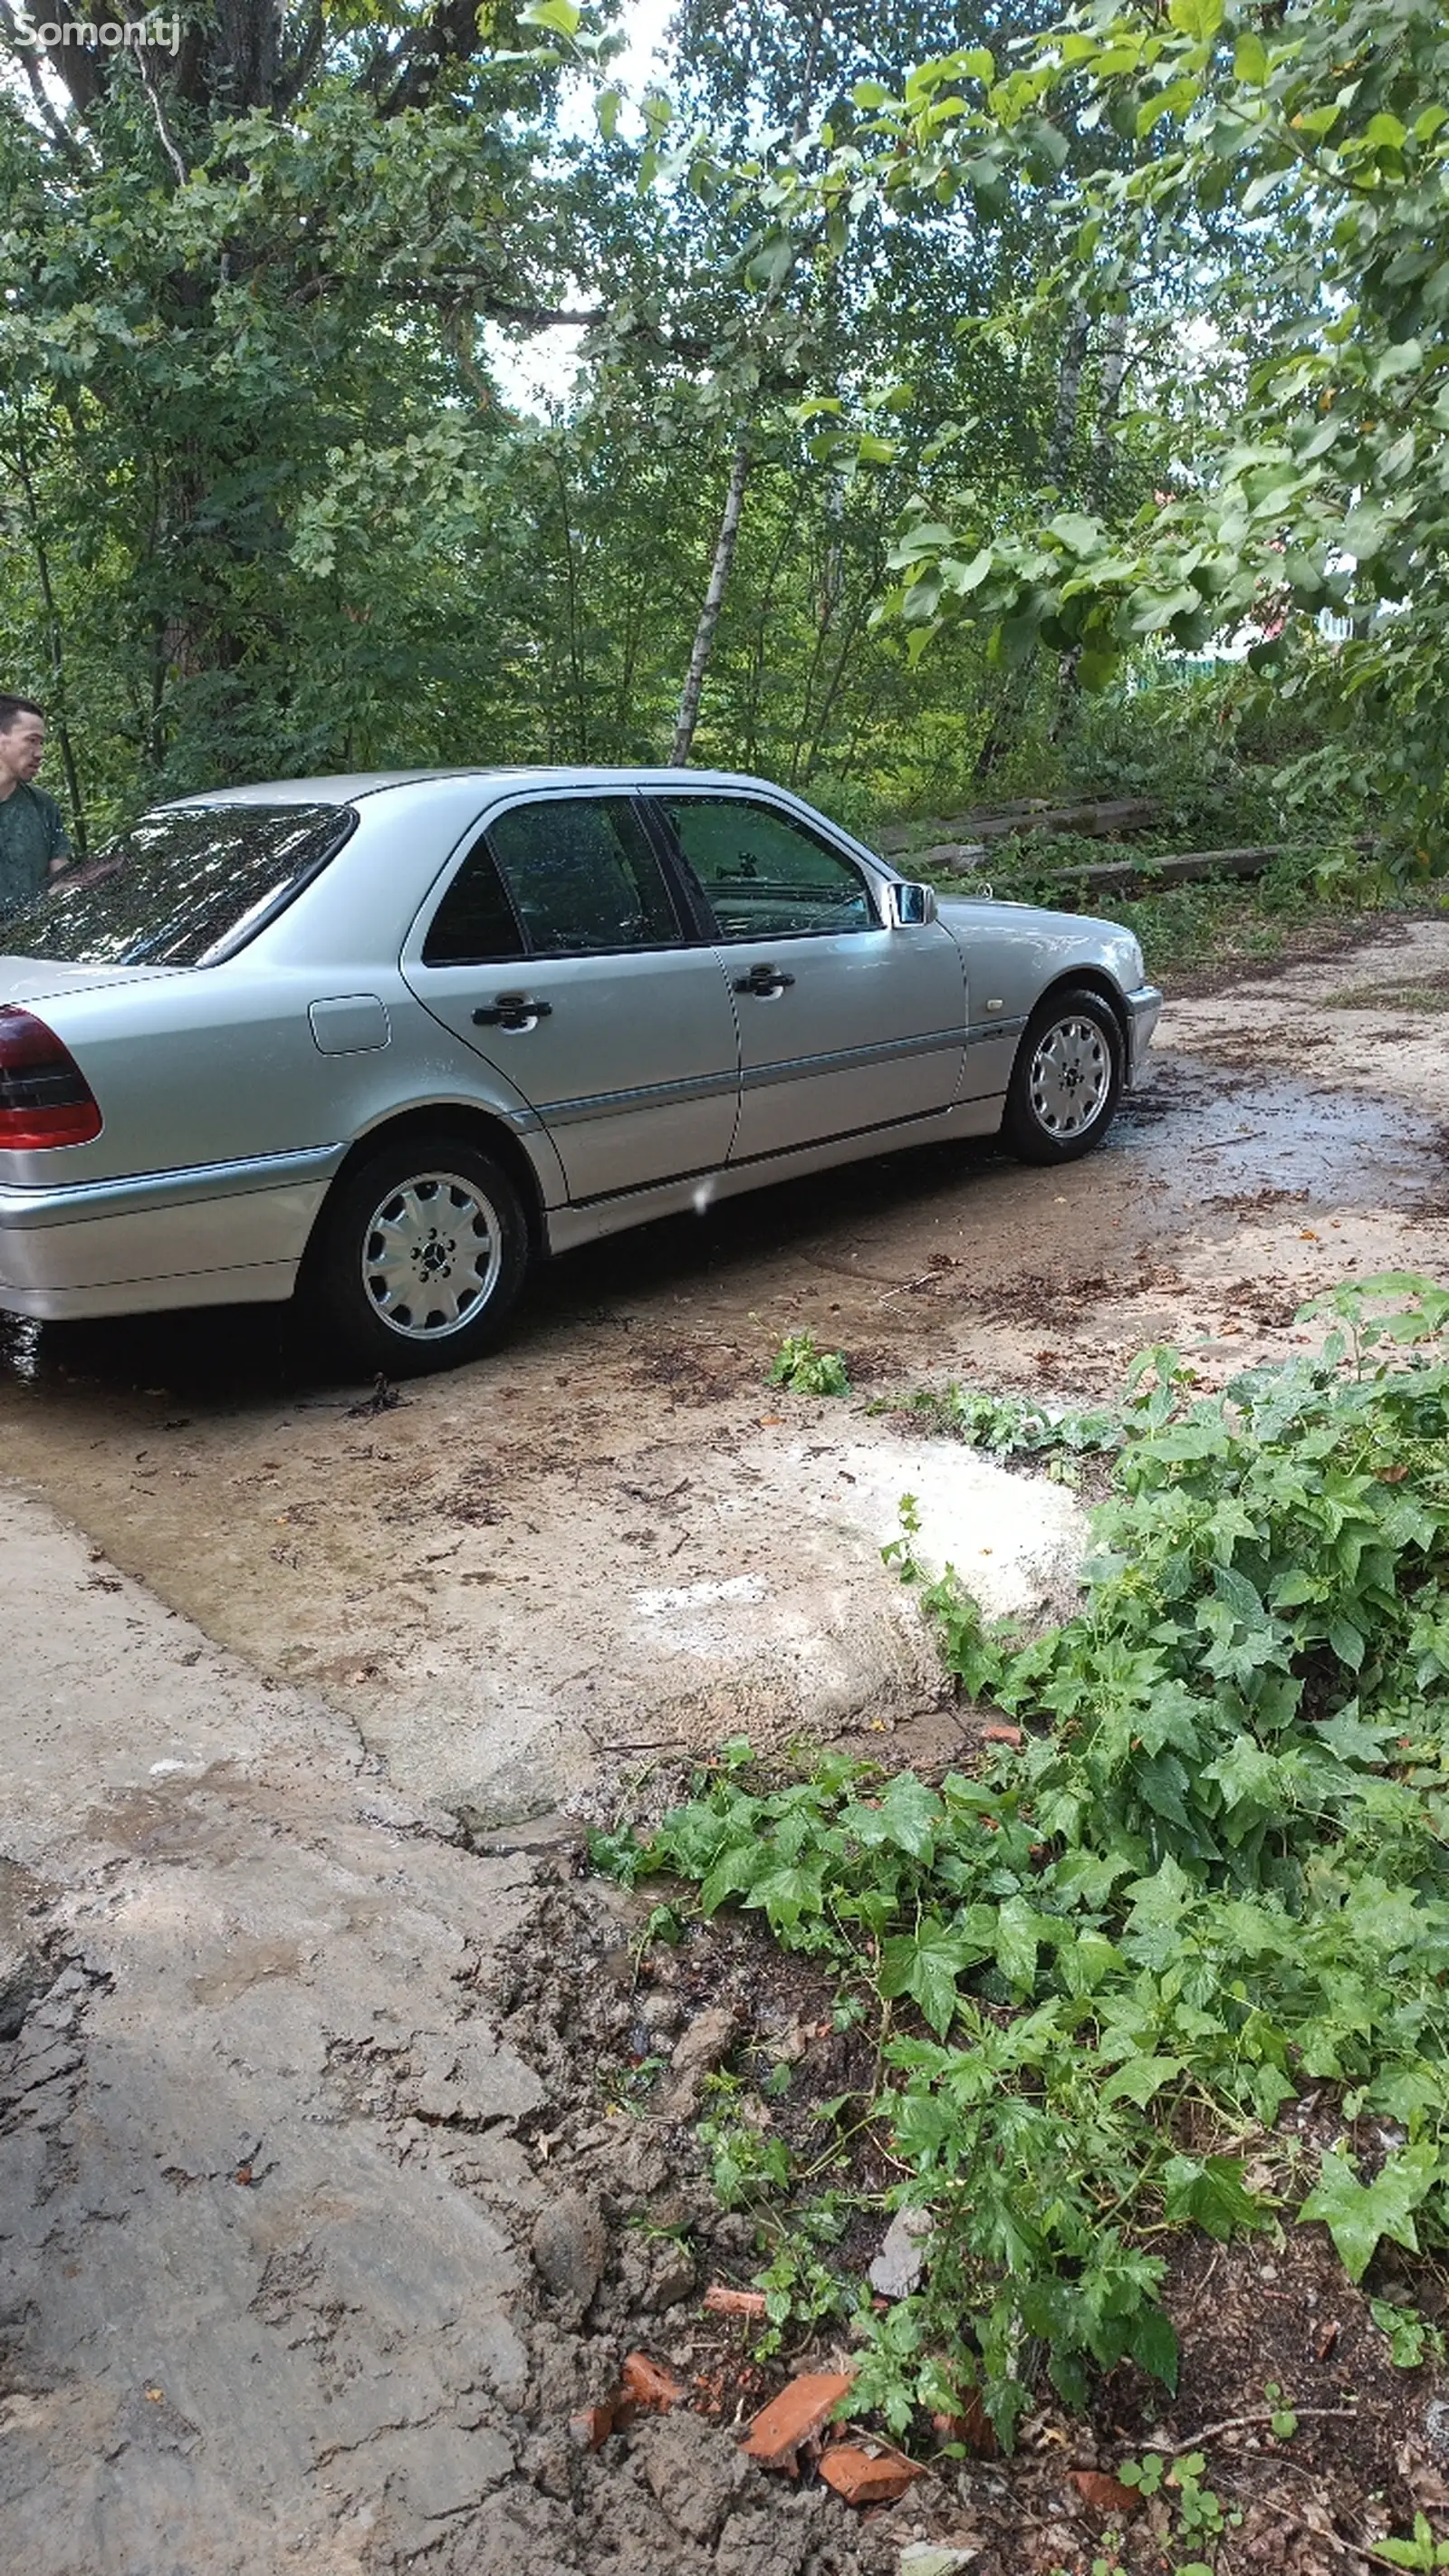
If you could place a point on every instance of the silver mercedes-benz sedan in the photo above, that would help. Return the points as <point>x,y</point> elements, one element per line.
<point>379,1041</point>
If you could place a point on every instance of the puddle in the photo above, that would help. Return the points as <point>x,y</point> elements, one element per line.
<point>1209,1138</point>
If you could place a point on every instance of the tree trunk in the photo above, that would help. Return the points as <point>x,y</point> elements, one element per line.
<point>1069,386</point>
<point>1011,703</point>
<point>54,634</point>
<point>1099,469</point>
<point>1109,395</point>
<point>724,555</point>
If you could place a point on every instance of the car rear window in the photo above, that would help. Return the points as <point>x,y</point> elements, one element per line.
<point>184,888</point>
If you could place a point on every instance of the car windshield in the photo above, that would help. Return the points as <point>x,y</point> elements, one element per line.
<point>184,888</point>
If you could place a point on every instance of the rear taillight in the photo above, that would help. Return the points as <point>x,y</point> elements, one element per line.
<point>45,1098</point>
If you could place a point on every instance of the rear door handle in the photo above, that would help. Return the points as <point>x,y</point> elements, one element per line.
<point>765,981</point>
<point>511,1011</point>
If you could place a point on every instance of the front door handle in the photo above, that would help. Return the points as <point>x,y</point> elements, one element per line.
<point>765,981</point>
<point>511,1011</point>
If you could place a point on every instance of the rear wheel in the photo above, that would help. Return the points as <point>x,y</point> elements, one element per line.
<point>419,1257</point>
<point>1067,1078</point>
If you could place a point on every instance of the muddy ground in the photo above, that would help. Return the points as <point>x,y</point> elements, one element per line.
<point>328,2210</point>
<point>612,1543</point>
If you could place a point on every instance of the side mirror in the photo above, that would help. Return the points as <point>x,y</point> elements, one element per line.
<point>910,906</point>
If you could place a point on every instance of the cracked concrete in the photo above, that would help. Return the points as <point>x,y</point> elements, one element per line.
<point>247,2319</point>
<point>285,2285</point>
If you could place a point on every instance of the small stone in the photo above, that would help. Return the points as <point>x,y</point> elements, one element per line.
<point>799,2411</point>
<point>1436,2427</point>
<point>672,2278</point>
<point>943,2558</point>
<point>570,2246</point>
<point>898,2266</point>
<point>699,2048</point>
<point>862,2478</point>
<point>659,2012</point>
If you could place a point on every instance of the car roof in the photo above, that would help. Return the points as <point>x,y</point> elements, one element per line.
<point>378,782</point>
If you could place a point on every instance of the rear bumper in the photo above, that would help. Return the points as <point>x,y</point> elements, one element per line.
<point>1142,1009</point>
<point>218,1234</point>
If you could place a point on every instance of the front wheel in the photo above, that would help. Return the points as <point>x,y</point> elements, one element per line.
<point>419,1257</point>
<point>1067,1079</point>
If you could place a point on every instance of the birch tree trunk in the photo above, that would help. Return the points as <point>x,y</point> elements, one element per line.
<point>1099,468</point>
<point>1109,396</point>
<point>1069,387</point>
<point>724,555</point>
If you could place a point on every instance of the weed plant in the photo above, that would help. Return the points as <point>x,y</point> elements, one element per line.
<point>1212,1873</point>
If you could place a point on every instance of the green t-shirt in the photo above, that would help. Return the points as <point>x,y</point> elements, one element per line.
<point>32,833</point>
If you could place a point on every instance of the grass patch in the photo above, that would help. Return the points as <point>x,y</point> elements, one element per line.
<point>1432,996</point>
<point>1208,1869</point>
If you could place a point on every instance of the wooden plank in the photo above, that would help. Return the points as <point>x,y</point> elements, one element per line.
<point>1186,867</point>
<point>1119,876</point>
<point>1096,817</point>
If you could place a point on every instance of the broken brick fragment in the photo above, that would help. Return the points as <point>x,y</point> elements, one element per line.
<point>1001,1735</point>
<point>861,2478</point>
<point>973,2427</point>
<point>799,2411</point>
<point>1104,2494</point>
<point>647,2385</point>
<point>725,2302</point>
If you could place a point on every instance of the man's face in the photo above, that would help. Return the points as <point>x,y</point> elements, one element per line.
<point>22,747</point>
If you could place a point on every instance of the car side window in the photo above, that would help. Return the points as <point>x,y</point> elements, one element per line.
<point>475,924</point>
<point>584,876</point>
<point>765,876</point>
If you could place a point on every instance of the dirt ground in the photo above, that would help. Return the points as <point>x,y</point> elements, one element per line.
<point>612,1544</point>
<point>331,2202</point>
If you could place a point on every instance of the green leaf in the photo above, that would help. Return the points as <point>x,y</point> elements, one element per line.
<point>1357,2214</point>
<point>559,16</point>
<point>1200,18</point>
<point>1018,1930</point>
<point>926,1965</point>
<point>1209,2192</point>
<point>1250,59</point>
<point>1138,2080</point>
<point>1153,2346</point>
<point>910,1815</point>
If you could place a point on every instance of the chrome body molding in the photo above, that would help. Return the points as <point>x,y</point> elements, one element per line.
<point>568,1227</point>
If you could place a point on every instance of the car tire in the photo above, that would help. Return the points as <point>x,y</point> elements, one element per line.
<point>1067,1078</point>
<point>418,1258</point>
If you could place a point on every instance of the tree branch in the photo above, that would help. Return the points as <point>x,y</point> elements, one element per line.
<point>59,133</point>
<point>158,112</point>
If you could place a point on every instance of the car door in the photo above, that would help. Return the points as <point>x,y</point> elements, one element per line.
<point>558,953</point>
<point>846,1023</point>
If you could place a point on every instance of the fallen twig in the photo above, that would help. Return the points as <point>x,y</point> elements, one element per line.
<point>907,1285</point>
<point>1264,2415</point>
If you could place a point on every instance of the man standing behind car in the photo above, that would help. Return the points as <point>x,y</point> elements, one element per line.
<point>34,843</point>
